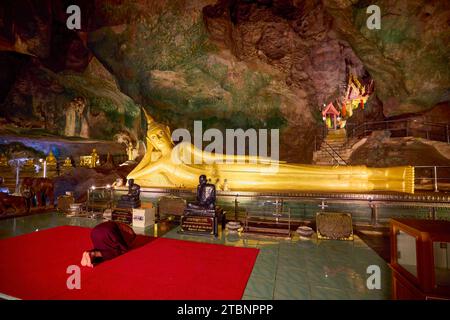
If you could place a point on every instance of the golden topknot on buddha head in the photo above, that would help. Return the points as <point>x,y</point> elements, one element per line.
<point>158,135</point>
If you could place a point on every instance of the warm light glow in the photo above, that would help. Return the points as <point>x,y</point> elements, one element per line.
<point>93,187</point>
<point>254,176</point>
<point>108,186</point>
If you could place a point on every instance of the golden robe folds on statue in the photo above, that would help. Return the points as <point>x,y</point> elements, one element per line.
<point>167,166</point>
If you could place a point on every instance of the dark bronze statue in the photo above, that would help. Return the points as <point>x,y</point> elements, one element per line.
<point>131,199</point>
<point>134,191</point>
<point>206,196</point>
<point>202,216</point>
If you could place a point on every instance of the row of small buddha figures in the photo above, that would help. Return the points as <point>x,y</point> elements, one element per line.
<point>91,161</point>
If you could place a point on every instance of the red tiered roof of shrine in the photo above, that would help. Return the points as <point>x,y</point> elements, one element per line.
<point>330,109</point>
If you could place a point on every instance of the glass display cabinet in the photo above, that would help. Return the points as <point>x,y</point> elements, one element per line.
<point>420,259</point>
<point>98,200</point>
<point>269,219</point>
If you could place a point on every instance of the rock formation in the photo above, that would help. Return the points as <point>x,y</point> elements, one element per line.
<point>230,63</point>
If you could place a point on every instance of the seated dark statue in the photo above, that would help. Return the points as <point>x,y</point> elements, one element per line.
<point>206,198</point>
<point>131,199</point>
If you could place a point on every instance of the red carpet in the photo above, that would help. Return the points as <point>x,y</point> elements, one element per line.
<point>33,266</point>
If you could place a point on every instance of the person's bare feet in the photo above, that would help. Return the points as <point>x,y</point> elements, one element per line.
<point>88,257</point>
<point>85,259</point>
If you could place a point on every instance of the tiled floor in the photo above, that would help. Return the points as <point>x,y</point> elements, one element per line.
<point>284,269</point>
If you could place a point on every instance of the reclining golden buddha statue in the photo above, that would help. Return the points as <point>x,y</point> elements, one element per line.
<point>167,166</point>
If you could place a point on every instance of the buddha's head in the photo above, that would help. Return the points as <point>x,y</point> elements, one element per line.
<point>158,135</point>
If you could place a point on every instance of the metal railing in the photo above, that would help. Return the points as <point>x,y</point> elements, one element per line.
<point>403,128</point>
<point>409,127</point>
<point>432,178</point>
<point>368,208</point>
<point>319,138</point>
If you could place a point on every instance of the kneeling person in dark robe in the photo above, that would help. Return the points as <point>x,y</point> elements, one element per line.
<point>110,239</point>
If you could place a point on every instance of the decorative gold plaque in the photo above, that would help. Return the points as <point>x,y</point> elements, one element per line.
<point>334,226</point>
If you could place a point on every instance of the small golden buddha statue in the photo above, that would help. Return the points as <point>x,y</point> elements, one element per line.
<point>51,160</point>
<point>130,152</point>
<point>94,158</point>
<point>67,163</point>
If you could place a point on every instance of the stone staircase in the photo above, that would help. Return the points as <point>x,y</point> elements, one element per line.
<point>334,150</point>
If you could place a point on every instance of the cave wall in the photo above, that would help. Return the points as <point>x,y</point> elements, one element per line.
<point>42,102</point>
<point>46,67</point>
<point>230,63</point>
<point>408,57</point>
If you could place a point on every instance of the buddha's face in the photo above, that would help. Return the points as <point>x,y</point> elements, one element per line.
<point>160,138</point>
